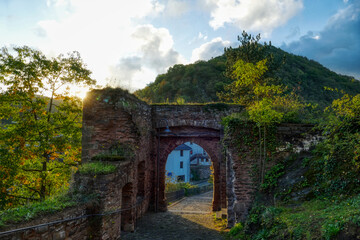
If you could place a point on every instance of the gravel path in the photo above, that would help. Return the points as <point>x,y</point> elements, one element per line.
<point>188,219</point>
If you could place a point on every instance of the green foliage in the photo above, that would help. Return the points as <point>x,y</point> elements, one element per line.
<point>332,173</point>
<point>250,50</point>
<point>197,82</point>
<point>272,176</point>
<point>30,211</point>
<point>315,219</point>
<point>97,168</point>
<point>337,162</point>
<point>201,81</point>
<point>180,101</point>
<point>175,186</point>
<point>236,230</point>
<point>266,101</point>
<point>220,223</point>
<point>40,134</point>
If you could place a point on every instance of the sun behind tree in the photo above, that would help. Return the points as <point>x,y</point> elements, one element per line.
<point>40,131</point>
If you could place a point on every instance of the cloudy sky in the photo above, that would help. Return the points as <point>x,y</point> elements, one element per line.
<point>127,43</point>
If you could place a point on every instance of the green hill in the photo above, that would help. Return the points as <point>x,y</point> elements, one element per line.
<point>200,81</point>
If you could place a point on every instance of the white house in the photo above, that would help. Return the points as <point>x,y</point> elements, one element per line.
<point>179,161</point>
<point>178,164</point>
<point>198,155</point>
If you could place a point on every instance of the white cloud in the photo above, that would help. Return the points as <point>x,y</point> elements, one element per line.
<point>253,15</point>
<point>107,33</point>
<point>101,30</point>
<point>210,49</point>
<point>202,36</point>
<point>156,47</point>
<point>154,55</point>
<point>176,8</point>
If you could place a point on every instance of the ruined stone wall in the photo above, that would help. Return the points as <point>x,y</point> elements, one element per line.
<point>241,184</point>
<point>242,161</point>
<point>112,118</point>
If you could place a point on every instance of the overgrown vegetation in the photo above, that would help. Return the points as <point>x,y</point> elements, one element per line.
<point>36,209</point>
<point>97,168</point>
<point>337,159</point>
<point>331,184</point>
<point>315,219</point>
<point>323,202</point>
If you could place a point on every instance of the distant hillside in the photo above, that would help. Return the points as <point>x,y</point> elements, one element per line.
<point>199,82</point>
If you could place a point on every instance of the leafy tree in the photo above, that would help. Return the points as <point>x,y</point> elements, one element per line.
<point>250,50</point>
<point>40,134</point>
<point>337,158</point>
<point>265,101</point>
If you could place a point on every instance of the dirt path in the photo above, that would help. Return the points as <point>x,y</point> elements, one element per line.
<point>188,219</point>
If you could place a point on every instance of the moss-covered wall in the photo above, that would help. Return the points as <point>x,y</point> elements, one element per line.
<point>242,159</point>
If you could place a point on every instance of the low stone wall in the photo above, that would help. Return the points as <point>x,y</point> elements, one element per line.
<point>173,196</point>
<point>70,223</point>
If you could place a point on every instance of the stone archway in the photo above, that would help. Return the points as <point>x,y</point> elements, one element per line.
<point>209,140</point>
<point>113,116</point>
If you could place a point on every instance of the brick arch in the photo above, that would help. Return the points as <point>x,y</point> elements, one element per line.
<point>211,144</point>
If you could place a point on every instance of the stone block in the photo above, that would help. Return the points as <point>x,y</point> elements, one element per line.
<point>59,235</point>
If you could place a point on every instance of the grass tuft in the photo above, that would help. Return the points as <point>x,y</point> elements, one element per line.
<point>100,168</point>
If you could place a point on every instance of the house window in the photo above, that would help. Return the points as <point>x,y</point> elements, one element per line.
<point>207,160</point>
<point>181,153</point>
<point>181,164</point>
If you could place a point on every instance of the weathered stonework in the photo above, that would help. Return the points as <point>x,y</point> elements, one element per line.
<point>113,117</point>
<point>241,158</point>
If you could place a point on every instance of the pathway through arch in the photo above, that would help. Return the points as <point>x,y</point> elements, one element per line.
<point>188,219</point>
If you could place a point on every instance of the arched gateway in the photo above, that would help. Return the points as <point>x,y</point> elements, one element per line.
<point>209,140</point>
<point>115,121</point>
<point>137,138</point>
